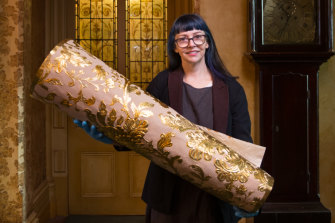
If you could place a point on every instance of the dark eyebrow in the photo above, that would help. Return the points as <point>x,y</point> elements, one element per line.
<point>199,33</point>
<point>182,36</point>
<point>194,34</point>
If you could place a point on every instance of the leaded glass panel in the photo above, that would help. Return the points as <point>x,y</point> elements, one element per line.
<point>146,35</point>
<point>96,28</point>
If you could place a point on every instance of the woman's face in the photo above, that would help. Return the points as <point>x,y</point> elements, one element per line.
<point>191,46</point>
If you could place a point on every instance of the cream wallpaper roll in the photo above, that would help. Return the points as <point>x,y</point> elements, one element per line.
<point>87,89</point>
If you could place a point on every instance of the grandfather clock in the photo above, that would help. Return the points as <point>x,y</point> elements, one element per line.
<point>290,39</point>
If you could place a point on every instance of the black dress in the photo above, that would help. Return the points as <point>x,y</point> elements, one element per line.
<point>191,203</point>
<point>230,115</point>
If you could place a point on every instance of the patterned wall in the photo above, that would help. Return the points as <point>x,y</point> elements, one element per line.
<point>11,79</point>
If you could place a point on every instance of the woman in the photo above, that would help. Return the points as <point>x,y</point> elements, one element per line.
<point>198,86</point>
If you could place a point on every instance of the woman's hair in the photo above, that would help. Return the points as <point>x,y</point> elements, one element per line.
<point>189,22</point>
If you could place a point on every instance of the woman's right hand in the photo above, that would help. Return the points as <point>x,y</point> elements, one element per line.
<point>93,132</point>
<point>244,214</point>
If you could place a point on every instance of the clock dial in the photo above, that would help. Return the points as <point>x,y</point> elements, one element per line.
<point>289,21</point>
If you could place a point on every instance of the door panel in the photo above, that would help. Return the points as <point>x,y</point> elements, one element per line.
<point>103,181</point>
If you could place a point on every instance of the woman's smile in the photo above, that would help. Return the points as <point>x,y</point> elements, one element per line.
<point>192,53</point>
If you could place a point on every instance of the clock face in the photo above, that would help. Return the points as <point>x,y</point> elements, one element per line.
<point>289,21</point>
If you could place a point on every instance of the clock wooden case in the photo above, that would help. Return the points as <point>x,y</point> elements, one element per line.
<point>289,40</point>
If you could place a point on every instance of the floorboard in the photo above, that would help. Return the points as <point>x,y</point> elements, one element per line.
<point>100,219</point>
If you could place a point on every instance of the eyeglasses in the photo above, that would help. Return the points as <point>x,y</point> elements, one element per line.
<point>197,40</point>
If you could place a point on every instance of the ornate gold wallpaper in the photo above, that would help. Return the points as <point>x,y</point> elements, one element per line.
<point>87,89</point>
<point>11,78</point>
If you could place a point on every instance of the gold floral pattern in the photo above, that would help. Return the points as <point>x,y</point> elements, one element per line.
<point>11,73</point>
<point>129,130</point>
<point>201,143</point>
<point>67,58</point>
<point>230,168</point>
<point>75,100</point>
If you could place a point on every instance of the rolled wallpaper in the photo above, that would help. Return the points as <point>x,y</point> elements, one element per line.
<point>87,89</point>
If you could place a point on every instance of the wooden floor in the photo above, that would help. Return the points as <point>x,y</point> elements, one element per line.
<point>99,219</point>
<point>104,219</point>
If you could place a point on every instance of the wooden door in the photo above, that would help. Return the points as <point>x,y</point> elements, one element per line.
<point>103,181</point>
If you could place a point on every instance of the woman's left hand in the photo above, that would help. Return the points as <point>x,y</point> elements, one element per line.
<point>93,132</point>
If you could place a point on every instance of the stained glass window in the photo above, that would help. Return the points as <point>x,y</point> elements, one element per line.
<point>96,28</point>
<point>146,35</point>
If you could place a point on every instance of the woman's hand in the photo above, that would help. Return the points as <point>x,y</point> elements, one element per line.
<point>244,214</point>
<point>93,132</point>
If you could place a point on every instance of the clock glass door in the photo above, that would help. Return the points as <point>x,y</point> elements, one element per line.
<point>289,22</point>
